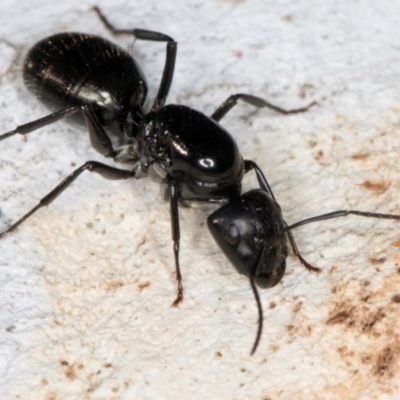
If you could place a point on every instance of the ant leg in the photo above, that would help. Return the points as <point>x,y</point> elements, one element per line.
<point>264,185</point>
<point>104,170</point>
<point>98,136</point>
<point>342,213</point>
<point>144,34</point>
<point>173,196</point>
<point>331,215</point>
<point>296,251</point>
<point>41,122</point>
<point>262,181</point>
<point>255,101</point>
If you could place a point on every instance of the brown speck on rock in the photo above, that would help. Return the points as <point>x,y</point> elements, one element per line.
<point>319,155</point>
<point>378,187</point>
<point>70,373</point>
<point>358,157</point>
<point>396,298</point>
<point>312,143</point>
<point>376,261</point>
<point>272,305</point>
<point>340,317</point>
<point>237,53</point>
<point>141,243</point>
<point>384,361</point>
<point>297,307</point>
<point>143,285</point>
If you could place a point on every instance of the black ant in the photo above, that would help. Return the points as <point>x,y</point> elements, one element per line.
<point>95,84</point>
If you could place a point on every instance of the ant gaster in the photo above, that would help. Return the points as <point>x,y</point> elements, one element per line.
<point>96,85</point>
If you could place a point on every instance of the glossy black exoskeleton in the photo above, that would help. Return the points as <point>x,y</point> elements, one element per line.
<point>97,85</point>
<point>252,233</point>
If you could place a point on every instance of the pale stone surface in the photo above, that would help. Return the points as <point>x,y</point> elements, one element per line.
<point>86,284</point>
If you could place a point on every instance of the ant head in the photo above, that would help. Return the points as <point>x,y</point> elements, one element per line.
<point>250,231</point>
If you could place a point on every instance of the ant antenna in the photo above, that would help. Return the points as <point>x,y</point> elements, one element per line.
<point>260,315</point>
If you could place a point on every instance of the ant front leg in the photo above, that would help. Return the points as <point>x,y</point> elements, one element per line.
<point>173,198</point>
<point>264,185</point>
<point>331,215</point>
<point>262,181</point>
<point>255,101</point>
<point>104,170</point>
<point>153,36</point>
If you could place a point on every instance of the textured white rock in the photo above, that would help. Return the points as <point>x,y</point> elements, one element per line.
<point>86,284</point>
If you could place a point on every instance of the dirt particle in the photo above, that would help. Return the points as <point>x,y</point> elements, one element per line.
<point>378,187</point>
<point>297,307</point>
<point>111,285</point>
<point>340,318</point>
<point>143,285</point>
<point>237,53</point>
<point>70,373</point>
<point>312,143</point>
<point>70,370</point>
<point>376,261</point>
<point>359,156</point>
<point>384,361</point>
<point>396,298</point>
<point>290,329</point>
<point>319,155</point>
<point>144,240</point>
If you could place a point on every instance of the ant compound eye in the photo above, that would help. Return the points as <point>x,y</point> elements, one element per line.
<point>232,235</point>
